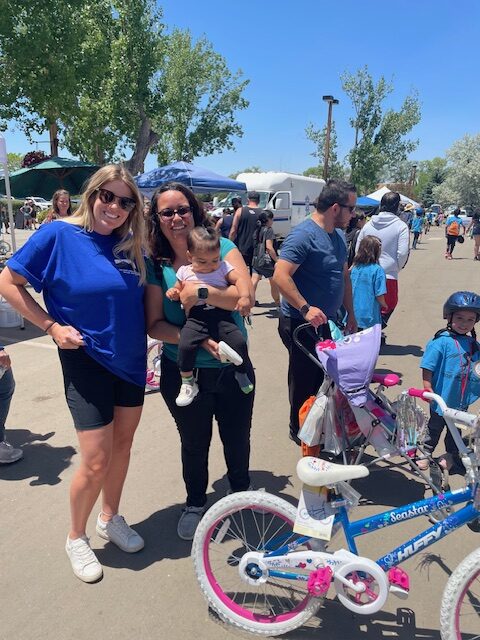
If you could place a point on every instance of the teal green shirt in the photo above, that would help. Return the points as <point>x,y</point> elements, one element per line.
<point>174,313</point>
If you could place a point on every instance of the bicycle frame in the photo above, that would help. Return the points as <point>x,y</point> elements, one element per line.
<point>391,517</point>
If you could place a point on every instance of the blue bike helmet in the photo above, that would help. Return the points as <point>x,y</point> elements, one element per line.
<point>462,301</point>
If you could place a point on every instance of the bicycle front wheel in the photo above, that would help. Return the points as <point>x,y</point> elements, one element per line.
<point>242,522</point>
<point>460,609</point>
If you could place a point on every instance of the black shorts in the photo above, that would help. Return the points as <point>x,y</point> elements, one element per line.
<point>92,392</point>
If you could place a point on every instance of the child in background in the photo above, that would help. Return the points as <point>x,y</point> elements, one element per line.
<point>451,368</point>
<point>369,284</point>
<point>453,230</point>
<point>205,321</point>
<point>417,227</point>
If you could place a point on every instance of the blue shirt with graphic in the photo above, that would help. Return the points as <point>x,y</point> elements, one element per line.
<point>165,277</point>
<point>454,362</point>
<point>417,224</point>
<point>90,287</point>
<point>368,282</point>
<point>321,259</point>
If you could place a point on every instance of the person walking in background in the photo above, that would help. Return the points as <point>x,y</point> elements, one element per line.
<point>26,211</point>
<point>4,222</point>
<point>356,225</point>
<point>224,222</point>
<point>244,225</point>
<point>313,278</point>
<point>175,212</point>
<point>474,228</point>
<point>8,454</point>
<point>417,227</point>
<point>61,206</point>
<point>90,268</point>
<point>264,255</point>
<point>394,236</point>
<point>454,230</point>
<point>369,284</point>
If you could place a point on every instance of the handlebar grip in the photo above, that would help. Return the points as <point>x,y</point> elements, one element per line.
<point>417,393</point>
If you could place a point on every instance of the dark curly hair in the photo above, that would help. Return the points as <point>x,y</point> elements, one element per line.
<point>158,246</point>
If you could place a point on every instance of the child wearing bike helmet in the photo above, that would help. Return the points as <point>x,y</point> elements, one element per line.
<point>451,368</point>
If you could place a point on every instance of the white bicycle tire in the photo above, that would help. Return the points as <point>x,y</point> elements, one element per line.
<point>460,582</point>
<point>247,504</point>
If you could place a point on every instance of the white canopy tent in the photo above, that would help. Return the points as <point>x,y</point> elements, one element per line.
<point>379,193</point>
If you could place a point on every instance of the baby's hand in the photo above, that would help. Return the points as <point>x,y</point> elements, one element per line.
<point>173,294</point>
<point>244,305</point>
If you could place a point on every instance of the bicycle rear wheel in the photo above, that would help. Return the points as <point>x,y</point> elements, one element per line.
<point>460,608</point>
<point>154,352</point>
<point>4,248</point>
<point>242,522</point>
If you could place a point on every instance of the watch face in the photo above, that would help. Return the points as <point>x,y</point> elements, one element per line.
<point>202,293</point>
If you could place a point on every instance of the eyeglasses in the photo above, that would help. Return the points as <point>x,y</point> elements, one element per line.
<point>181,211</point>
<point>107,197</point>
<point>347,206</point>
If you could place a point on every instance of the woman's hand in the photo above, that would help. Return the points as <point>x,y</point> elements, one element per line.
<point>66,337</point>
<point>244,305</point>
<point>211,347</point>
<point>5,360</point>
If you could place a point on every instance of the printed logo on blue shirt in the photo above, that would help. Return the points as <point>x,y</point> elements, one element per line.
<point>125,265</point>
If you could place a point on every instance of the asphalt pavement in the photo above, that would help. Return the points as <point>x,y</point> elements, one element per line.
<point>153,594</point>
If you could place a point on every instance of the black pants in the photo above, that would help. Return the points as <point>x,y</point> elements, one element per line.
<point>304,376</point>
<point>416,236</point>
<point>451,241</point>
<point>435,426</point>
<point>220,398</point>
<point>248,257</point>
<point>204,322</point>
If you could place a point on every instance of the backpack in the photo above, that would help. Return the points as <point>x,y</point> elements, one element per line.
<point>453,228</point>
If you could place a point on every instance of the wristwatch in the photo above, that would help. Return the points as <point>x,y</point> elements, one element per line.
<point>304,309</point>
<point>202,293</point>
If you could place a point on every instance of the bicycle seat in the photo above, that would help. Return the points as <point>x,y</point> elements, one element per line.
<point>387,379</point>
<point>319,473</point>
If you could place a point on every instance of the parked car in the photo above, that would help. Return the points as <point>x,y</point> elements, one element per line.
<point>40,203</point>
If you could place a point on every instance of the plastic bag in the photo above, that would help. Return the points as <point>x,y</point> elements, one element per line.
<point>311,429</point>
<point>332,442</point>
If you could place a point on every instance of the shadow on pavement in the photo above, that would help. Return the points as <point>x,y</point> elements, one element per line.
<point>41,462</point>
<point>16,334</point>
<point>389,486</point>
<point>159,530</point>
<point>401,350</point>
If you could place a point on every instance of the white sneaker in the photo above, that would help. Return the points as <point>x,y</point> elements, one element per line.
<point>117,531</point>
<point>227,354</point>
<point>84,562</point>
<point>9,454</point>
<point>187,394</point>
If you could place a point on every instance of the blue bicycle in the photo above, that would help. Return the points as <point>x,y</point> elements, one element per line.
<point>261,576</point>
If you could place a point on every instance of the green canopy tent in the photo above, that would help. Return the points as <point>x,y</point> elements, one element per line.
<point>44,178</point>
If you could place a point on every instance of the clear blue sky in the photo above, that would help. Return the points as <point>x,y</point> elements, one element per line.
<point>294,51</point>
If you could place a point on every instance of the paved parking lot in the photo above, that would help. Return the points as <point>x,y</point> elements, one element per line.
<point>153,594</point>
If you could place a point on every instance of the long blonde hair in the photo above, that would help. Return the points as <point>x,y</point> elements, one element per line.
<point>131,232</point>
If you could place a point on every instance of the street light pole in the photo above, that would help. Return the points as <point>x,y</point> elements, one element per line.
<point>331,101</point>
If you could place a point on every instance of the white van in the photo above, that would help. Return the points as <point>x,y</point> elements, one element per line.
<point>288,195</point>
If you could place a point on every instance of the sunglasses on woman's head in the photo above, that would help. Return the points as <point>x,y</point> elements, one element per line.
<point>107,197</point>
<point>183,210</point>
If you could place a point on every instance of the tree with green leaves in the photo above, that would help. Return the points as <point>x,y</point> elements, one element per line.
<point>253,169</point>
<point>379,135</point>
<point>106,78</point>
<point>318,137</point>
<point>462,183</point>
<point>430,173</point>
<point>14,161</point>
<point>43,61</point>
<point>199,97</point>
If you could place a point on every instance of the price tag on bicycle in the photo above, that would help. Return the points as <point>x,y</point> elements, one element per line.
<point>315,515</point>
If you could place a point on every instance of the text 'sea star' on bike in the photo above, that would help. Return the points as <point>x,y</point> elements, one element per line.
<point>263,567</point>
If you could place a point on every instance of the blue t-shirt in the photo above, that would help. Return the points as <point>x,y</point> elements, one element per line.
<point>174,313</point>
<point>417,224</point>
<point>451,359</point>
<point>451,219</point>
<point>368,281</point>
<point>321,257</point>
<point>87,286</point>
